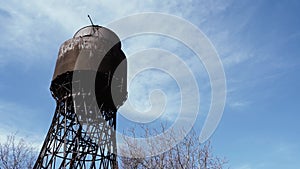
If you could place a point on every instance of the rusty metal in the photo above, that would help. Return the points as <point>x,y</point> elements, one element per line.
<point>81,134</point>
<point>89,47</point>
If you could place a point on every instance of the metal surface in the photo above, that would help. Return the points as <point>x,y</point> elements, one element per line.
<point>89,47</point>
<point>81,134</point>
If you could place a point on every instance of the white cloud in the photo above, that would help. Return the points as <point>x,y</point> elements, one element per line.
<point>144,83</point>
<point>238,104</point>
<point>244,166</point>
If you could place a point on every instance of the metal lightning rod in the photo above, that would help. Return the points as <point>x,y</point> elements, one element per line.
<point>91,21</point>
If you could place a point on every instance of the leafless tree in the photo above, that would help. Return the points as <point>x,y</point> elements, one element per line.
<point>16,154</point>
<point>188,154</point>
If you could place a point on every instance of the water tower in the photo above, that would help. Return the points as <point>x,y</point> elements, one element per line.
<point>89,85</point>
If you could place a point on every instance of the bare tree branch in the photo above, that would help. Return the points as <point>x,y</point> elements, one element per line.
<point>15,155</point>
<point>187,154</point>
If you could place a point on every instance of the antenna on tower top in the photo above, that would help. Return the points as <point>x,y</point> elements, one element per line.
<point>91,21</point>
<point>93,26</point>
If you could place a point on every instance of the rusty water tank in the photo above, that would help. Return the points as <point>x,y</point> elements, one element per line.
<point>93,49</point>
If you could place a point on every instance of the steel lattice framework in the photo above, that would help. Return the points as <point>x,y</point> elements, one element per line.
<point>82,132</point>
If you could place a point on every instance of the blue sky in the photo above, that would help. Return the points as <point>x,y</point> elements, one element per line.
<point>256,42</point>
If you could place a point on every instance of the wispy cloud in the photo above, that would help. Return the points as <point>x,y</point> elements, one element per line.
<point>244,166</point>
<point>238,104</point>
